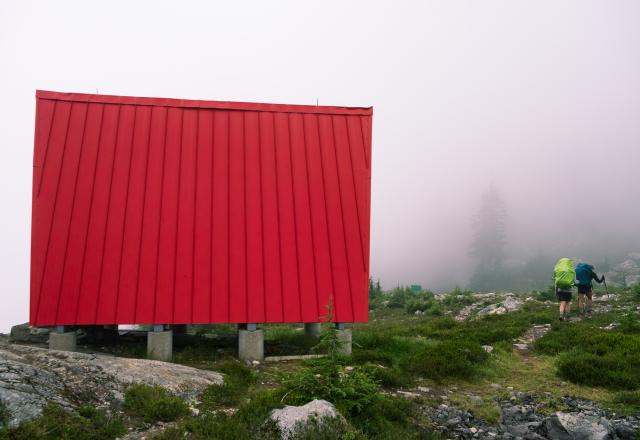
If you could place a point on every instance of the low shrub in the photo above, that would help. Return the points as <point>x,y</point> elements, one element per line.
<point>399,296</point>
<point>351,391</point>
<point>549,294</point>
<point>248,423</point>
<point>4,414</point>
<point>238,378</point>
<point>388,376</point>
<point>153,403</point>
<point>489,330</point>
<point>592,356</point>
<point>458,298</point>
<point>630,323</point>
<point>325,428</point>
<point>362,356</point>
<point>563,337</point>
<point>390,417</point>
<point>392,348</point>
<point>630,399</point>
<point>423,301</point>
<point>447,359</point>
<point>611,370</point>
<point>55,423</point>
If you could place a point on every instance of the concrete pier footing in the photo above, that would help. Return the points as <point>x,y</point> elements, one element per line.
<point>251,345</point>
<point>344,336</point>
<point>62,340</point>
<point>160,345</point>
<point>312,329</point>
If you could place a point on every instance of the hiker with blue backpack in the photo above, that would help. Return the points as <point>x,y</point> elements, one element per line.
<point>564,276</point>
<point>585,275</point>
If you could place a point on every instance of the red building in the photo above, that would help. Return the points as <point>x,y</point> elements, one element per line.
<point>150,210</point>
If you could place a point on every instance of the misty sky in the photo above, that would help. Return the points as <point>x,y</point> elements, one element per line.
<point>539,98</point>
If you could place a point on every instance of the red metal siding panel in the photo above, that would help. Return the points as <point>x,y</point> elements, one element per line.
<point>255,252</point>
<point>202,227</point>
<point>220,220</point>
<point>270,222</point>
<point>151,210</point>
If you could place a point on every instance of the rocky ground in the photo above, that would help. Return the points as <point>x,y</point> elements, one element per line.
<point>490,304</point>
<point>523,416</point>
<point>31,376</point>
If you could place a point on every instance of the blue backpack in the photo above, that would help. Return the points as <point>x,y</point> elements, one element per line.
<point>583,274</point>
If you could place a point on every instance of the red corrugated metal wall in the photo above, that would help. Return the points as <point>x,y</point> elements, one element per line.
<point>149,210</point>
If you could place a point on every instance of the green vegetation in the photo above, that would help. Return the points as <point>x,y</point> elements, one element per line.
<point>55,423</point>
<point>447,359</point>
<point>353,390</point>
<point>4,415</point>
<point>595,357</point>
<point>248,422</point>
<point>153,403</point>
<point>237,380</point>
<point>457,298</point>
<point>630,323</point>
<point>325,429</point>
<point>630,399</point>
<point>425,302</point>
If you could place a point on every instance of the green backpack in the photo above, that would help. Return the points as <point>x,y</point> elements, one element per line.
<point>564,275</point>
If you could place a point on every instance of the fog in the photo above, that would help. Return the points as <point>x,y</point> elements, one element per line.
<point>540,99</point>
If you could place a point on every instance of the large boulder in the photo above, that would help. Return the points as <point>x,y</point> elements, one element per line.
<point>26,333</point>
<point>577,426</point>
<point>30,377</point>
<point>492,309</point>
<point>512,304</point>
<point>290,419</point>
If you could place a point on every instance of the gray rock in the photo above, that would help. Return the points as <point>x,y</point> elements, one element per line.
<point>533,436</point>
<point>522,429</point>
<point>30,377</point>
<point>626,432</point>
<point>511,304</point>
<point>455,421</point>
<point>290,418</point>
<point>487,348</point>
<point>577,426</point>
<point>605,297</point>
<point>466,312</point>
<point>26,333</point>
<point>493,309</point>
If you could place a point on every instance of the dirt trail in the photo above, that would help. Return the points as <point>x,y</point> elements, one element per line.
<point>526,341</point>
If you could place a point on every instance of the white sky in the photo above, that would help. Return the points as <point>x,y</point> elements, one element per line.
<point>542,98</point>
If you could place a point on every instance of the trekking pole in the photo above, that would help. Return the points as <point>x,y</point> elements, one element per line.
<point>605,286</point>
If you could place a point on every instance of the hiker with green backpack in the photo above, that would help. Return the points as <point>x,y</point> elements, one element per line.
<point>564,277</point>
<point>585,274</point>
